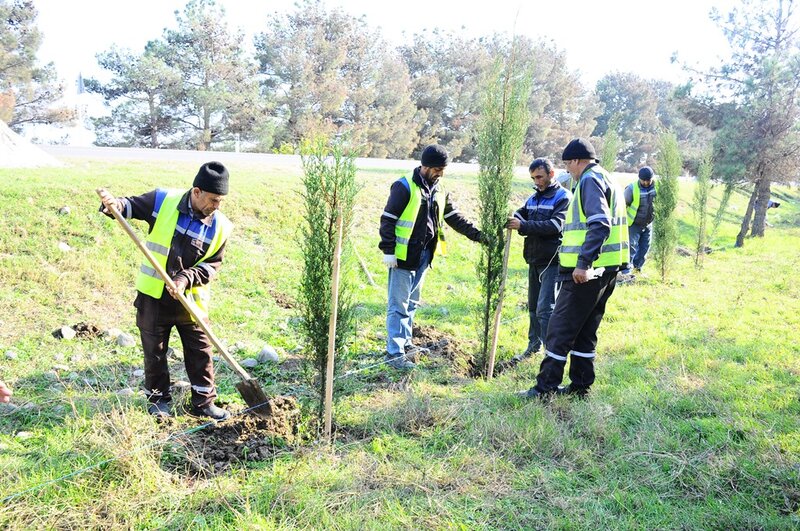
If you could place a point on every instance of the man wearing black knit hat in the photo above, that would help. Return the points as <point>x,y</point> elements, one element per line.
<point>412,232</point>
<point>593,248</point>
<point>187,234</point>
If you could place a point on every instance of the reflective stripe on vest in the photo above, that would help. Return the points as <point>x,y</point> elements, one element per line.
<point>636,198</point>
<point>405,224</point>
<point>158,242</point>
<point>615,249</point>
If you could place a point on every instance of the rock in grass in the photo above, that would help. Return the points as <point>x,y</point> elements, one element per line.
<point>73,376</point>
<point>61,367</point>
<point>125,340</point>
<point>267,355</point>
<point>138,373</point>
<point>64,247</point>
<point>51,375</point>
<point>64,211</point>
<point>174,354</point>
<point>111,334</point>
<point>66,332</point>
<point>249,363</point>
<point>11,355</point>
<point>126,392</point>
<point>181,384</point>
<point>22,435</point>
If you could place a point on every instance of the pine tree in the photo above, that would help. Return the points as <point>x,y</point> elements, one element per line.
<point>501,131</point>
<point>329,189</point>
<point>700,207</point>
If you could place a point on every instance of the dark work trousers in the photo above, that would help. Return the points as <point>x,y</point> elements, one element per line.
<point>541,301</point>
<point>155,319</point>
<point>573,330</point>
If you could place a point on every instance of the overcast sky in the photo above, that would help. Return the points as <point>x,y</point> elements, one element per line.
<point>598,36</point>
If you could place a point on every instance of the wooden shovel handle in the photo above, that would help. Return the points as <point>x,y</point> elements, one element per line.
<point>168,281</point>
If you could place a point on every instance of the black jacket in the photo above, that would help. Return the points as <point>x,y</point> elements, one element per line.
<point>542,223</point>
<point>426,225</point>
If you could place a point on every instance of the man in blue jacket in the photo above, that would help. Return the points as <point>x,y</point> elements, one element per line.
<point>412,231</point>
<point>541,221</point>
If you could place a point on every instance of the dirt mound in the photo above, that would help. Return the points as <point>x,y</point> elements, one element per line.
<point>243,438</point>
<point>282,300</point>
<point>438,343</point>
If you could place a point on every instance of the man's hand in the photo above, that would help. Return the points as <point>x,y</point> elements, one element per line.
<point>5,393</point>
<point>580,276</point>
<point>390,261</point>
<point>180,287</point>
<point>513,223</point>
<point>109,201</point>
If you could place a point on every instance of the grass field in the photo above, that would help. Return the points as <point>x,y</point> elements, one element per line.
<point>693,423</point>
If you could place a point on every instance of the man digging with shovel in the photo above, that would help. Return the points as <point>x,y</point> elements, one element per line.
<point>187,235</point>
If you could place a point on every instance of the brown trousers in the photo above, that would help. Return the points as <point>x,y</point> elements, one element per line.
<point>155,319</point>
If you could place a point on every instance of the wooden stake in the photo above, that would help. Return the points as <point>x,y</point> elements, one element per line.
<point>499,309</point>
<point>337,258</point>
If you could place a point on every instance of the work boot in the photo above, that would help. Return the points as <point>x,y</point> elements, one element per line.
<point>159,409</point>
<point>400,363</point>
<point>211,411</point>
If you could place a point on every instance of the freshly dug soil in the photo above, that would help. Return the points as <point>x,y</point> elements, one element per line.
<point>243,438</point>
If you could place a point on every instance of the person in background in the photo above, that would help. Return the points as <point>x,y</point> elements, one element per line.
<point>541,221</point>
<point>412,232</point>
<point>5,393</point>
<point>640,197</point>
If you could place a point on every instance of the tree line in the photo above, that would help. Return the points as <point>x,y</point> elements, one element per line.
<point>319,71</point>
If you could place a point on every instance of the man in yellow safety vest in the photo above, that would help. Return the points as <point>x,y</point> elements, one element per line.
<point>593,249</point>
<point>412,231</point>
<point>187,235</point>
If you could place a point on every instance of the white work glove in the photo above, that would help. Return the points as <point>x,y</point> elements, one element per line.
<point>390,261</point>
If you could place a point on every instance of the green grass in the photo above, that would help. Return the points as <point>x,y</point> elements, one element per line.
<point>694,421</point>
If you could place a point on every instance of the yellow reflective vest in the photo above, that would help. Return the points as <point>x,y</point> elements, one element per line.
<point>614,251</point>
<point>405,223</point>
<point>636,198</point>
<point>158,242</point>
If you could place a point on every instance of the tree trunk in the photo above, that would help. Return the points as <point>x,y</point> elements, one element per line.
<point>762,199</point>
<point>747,215</point>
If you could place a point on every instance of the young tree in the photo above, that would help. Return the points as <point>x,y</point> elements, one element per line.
<point>500,133</point>
<point>146,90</point>
<point>700,207</point>
<point>28,93</point>
<point>665,230</point>
<point>330,190</point>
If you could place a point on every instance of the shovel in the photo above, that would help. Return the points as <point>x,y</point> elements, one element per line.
<point>249,388</point>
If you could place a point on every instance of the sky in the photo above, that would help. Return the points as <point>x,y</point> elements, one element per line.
<point>599,37</point>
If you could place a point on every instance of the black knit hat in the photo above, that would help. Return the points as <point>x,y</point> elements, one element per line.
<point>646,173</point>
<point>579,149</point>
<point>213,178</point>
<point>434,156</point>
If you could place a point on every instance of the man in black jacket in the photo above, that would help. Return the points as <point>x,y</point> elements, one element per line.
<point>412,231</point>
<point>541,221</point>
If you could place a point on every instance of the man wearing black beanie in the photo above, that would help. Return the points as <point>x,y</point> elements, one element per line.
<point>187,233</point>
<point>593,248</point>
<point>412,232</point>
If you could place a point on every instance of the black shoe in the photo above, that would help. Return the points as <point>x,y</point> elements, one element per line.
<point>533,394</point>
<point>211,411</point>
<point>159,409</point>
<point>571,390</point>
